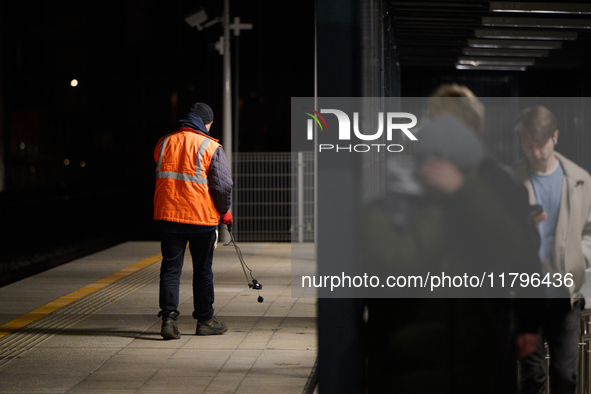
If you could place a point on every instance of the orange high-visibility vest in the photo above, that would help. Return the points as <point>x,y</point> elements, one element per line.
<point>182,192</point>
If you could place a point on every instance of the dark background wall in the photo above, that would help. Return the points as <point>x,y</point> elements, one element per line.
<point>139,66</point>
<point>77,162</point>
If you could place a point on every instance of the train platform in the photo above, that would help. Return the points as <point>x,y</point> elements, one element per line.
<point>91,326</point>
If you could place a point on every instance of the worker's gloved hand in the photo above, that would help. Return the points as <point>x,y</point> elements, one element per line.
<point>228,220</point>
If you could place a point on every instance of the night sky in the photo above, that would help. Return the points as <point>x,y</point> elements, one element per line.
<point>77,162</point>
<point>139,66</point>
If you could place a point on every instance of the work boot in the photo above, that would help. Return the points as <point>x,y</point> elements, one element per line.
<point>211,327</point>
<point>170,329</point>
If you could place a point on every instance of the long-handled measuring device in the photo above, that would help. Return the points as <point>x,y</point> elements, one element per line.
<point>252,282</point>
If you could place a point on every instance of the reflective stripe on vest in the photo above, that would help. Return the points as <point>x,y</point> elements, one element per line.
<point>197,178</point>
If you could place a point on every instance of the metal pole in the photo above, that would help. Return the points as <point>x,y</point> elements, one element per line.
<point>227,136</point>
<point>315,135</point>
<point>235,130</point>
<point>2,130</point>
<point>300,197</point>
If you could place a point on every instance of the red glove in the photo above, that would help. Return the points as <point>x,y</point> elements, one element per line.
<point>227,219</point>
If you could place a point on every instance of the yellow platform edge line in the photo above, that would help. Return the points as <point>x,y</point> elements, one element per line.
<point>46,309</point>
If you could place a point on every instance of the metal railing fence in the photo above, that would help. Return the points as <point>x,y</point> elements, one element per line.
<point>273,196</point>
<point>584,372</point>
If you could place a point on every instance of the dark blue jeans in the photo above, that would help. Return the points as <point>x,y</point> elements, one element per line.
<point>562,330</point>
<point>173,248</point>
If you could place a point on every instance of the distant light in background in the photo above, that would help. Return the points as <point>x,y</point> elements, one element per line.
<point>74,83</point>
<point>518,44</point>
<point>521,34</point>
<point>505,52</point>
<point>542,8</point>
<point>32,169</point>
<point>536,22</point>
<point>82,163</point>
<point>498,68</point>
<point>22,145</point>
<point>495,61</point>
<point>66,162</point>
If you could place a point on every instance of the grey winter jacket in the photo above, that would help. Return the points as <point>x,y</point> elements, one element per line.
<point>220,181</point>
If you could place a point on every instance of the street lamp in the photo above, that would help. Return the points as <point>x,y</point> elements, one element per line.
<point>199,19</point>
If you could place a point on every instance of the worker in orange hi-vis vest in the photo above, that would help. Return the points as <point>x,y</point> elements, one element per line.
<point>193,195</point>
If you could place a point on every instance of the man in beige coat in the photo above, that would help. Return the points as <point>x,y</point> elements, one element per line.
<point>563,191</point>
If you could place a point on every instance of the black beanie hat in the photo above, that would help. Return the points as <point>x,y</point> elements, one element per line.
<point>203,111</point>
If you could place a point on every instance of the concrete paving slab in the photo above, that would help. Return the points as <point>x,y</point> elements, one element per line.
<point>20,382</point>
<point>30,293</point>
<point>163,382</point>
<point>50,370</point>
<point>269,347</point>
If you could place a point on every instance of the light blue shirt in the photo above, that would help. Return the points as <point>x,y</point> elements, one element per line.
<point>548,191</point>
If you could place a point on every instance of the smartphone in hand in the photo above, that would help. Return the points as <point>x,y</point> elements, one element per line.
<point>537,209</point>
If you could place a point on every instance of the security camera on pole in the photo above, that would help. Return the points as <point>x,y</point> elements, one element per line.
<point>199,20</point>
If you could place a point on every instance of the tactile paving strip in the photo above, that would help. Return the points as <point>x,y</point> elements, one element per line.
<point>38,331</point>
